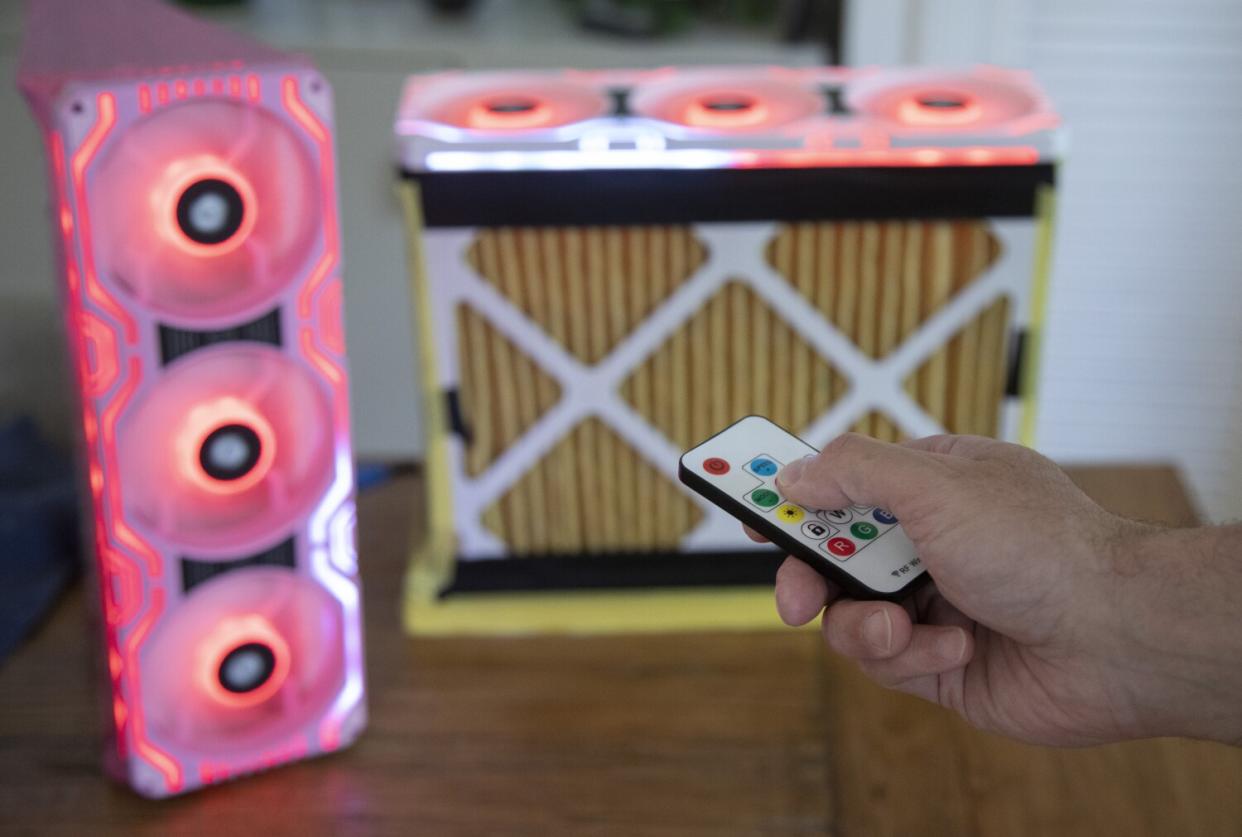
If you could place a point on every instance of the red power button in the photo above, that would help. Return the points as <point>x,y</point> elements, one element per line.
<point>715,465</point>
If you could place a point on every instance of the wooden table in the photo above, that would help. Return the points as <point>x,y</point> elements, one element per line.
<point>666,735</point>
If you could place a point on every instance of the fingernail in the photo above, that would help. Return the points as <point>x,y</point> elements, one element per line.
<point>878,629</point>
<point>791,473</point>
<point>953,646</point>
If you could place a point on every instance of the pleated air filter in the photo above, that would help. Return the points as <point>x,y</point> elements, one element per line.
<point>608,267</point>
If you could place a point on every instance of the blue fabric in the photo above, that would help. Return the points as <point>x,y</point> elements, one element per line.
<point>372,474</point>
<point>39,552</point>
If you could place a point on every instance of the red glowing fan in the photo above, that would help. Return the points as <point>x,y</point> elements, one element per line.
<point>233,445</point>
<point>206,210</point>
<point>938,101</point>
<point>510,103</point>
<point>245,662</point>
<point>726,101</point>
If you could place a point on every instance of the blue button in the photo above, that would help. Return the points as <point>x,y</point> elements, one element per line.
<point>763,466</point>
<point>884,516</point>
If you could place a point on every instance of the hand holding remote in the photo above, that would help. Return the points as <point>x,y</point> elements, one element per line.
<point>1051,620</point>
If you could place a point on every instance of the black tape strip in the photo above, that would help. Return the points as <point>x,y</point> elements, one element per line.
<point>612,571</point>
<point>1017,362</point>
<point>651,196</point>
<point>456,416</point>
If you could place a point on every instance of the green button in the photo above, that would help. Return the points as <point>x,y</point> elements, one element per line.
<point>863,530</point>
<point>765,498</point>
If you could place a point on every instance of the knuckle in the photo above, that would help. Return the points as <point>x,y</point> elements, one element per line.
<point>844,445</point>
<point>846,451</point>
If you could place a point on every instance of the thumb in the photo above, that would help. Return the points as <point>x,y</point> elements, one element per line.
<point>855,469</point>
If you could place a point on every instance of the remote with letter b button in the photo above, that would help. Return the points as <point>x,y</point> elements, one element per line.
<point>860,548</point>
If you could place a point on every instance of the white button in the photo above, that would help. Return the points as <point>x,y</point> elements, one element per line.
<point>817,531</point>
<point>837,516</point>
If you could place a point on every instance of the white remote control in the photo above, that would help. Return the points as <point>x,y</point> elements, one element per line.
<point>861,548</point>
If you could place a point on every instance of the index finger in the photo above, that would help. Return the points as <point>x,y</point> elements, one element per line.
<point>854,469</point>
<point>753,535</point>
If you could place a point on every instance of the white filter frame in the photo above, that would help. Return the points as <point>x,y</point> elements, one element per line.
<point>734,253</point>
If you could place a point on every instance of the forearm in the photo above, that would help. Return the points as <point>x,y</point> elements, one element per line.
<point>1177,611</point>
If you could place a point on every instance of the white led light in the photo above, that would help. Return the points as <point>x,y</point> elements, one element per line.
<point>629,158</point>
<point>594,142</point>
<point>650,141</point>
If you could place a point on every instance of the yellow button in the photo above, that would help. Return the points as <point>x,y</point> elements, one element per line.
<point>790,513</point>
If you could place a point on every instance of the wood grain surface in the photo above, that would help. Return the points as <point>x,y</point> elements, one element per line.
<point>704,734</point>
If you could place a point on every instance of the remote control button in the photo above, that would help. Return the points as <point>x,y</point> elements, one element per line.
<point>816,531</point>
<point>763,466</point>
<point>790,513</point>
<point>764,498</point>
<point>864,530</point>
<point>715,465</point>
<point>884,516</point>
<point>837,516</point>
<point>840,547</point>
<point>863,509</point>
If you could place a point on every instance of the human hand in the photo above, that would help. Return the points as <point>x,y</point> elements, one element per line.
<point>1050,620</point>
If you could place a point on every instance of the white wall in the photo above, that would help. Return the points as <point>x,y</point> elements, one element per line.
<point>1146,331</point>
<point>365,49</point>
<point>1144,343</point>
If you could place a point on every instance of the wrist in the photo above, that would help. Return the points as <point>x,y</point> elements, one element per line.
<point>1174,611</point>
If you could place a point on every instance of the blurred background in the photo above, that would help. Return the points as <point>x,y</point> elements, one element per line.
<point>1145,317</point>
